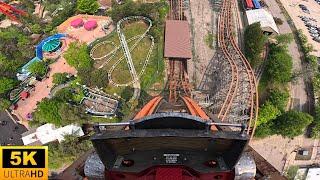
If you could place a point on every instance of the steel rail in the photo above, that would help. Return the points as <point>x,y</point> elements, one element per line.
<point>225,24</point>
<point>252,80</point>
<point>234,69</point>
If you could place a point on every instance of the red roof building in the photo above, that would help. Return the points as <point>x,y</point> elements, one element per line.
<point>177,40</point>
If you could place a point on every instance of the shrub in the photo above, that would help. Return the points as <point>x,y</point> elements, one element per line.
<point>292,123</point>
<point>78,56</point>
<point>60,78</point>
<point>279,64</point>
<point>4,104</point>
<point>6,84</point>
<point>38,68</point>
<point>254,41</point>
<point>278,21</point>
<point>264,130</point>
<point>279,98</point>
<point>209,40</point>
<point>267,113</point>
<point>87,6</point>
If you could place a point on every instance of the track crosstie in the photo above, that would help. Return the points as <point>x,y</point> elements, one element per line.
<point>241,103</point>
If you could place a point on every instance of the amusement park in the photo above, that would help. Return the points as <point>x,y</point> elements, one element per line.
<point>162,89</point>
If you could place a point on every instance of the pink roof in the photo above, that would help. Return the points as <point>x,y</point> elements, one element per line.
<point>177,40</point>
<point>24,94</point>
<point>90,25</point>
<point>76,23</point>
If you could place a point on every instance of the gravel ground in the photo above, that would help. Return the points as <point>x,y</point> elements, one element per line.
<point>202,24</point>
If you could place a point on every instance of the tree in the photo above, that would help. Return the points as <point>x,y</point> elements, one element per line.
<point>84,75</point>
<point>4,104</point>
<point>99,78</point>
<point>267,113</point>
<point>48,112</point>
<point>8,67</point>
<point>6,84</point>
<point>64,95</point>
<point>87,6</point>
<point>16,49</point>
<point>127,93</point>
<point>254,41</point>
<point>60,78</point>
<point>72,114</point>
<point>279,98</point>
<point>284,39</point>
<point>38,68</point>
<point>78,56</point>
<point>315,131</point>
<point>279,64</point>
<point>264,130</point>
<point>67,151</point>
<point>292,123</point>
<point>36,29</point>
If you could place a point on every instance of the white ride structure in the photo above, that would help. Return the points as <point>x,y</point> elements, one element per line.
<point>127,52</point>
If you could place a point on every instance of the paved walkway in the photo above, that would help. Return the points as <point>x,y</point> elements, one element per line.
<point>42,89</point>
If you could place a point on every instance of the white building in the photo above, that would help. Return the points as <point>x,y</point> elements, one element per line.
<point>313,174</point>
<point>308,174</point>
<point>48,133</point>
<point>266,20</point>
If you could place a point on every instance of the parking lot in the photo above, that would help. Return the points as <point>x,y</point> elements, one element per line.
<point>306,16</point>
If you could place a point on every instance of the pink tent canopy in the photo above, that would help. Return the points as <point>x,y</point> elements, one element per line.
<point>90,25</point>
<point>77,23</point>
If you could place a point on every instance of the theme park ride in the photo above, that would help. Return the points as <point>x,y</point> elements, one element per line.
<point>10,11</point>
<point>172,137</point>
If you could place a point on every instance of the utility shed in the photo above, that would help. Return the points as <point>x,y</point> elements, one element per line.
<point>265,18</point>
<point>177,40</point>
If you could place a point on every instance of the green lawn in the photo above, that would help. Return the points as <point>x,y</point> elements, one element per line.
<point>121,74</point>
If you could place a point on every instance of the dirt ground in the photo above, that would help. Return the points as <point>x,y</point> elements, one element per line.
<point>292,6</point>
<point>202,23</point>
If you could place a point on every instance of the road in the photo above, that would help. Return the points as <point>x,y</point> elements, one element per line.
<point>10,130</point>
<point>297,88</point>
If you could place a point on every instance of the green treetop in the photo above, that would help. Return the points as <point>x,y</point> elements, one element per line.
<point>87,6</point>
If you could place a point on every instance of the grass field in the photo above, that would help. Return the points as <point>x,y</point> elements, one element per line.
<point>121,73</point>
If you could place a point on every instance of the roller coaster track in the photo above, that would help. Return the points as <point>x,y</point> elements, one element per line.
<point>242,96</point>
<point>178,79</point>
